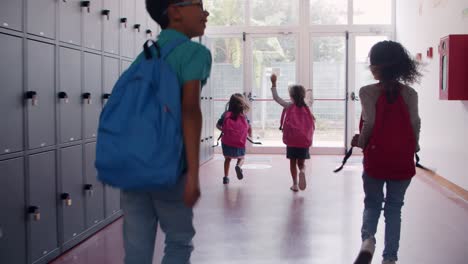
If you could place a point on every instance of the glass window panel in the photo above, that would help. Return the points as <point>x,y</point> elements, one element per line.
<point>329,124</point>
<point>274,12</point>
<point>266,116</point>
<point>372,11</point>
<point>328,12</point>
<point>225,12</point>
<point>363,75</point>
<point>278,55</point>
<point>328,67</point>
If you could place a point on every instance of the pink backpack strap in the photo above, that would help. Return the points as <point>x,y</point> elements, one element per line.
<point>283,114</point>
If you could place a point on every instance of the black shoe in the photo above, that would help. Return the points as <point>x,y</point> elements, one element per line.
<point>225,180</point>
<point>364,257</point>
<point>239,173</point>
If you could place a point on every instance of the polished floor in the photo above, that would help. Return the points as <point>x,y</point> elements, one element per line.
<point>259,220</point>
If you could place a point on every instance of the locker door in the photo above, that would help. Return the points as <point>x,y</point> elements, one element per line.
<point>93,25</point>
<point>12,224</point>
<point>11,101</point>
<point>42,205</point>
<point>41,17</point>
<point>140,34</point>
<point>71,196</point>
<point>112,200</point>
<point>92,74</point>
<point>111,20</point>
<point>70,21</point>
<point>11,14</point>
<point>127,35</point>
<point>111,73</point>
<point>69,95</point>
<point>94,191</point>
<point>40,89</point>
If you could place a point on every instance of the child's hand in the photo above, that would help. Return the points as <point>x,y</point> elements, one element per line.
<point>354,141</point>
<point>191,190</point>
<point>273,79</point>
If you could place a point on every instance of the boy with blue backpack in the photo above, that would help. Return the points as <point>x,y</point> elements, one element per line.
<point>149,134</point>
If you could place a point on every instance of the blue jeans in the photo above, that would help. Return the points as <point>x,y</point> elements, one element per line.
<point>142,212</point>
<point>374,197</point>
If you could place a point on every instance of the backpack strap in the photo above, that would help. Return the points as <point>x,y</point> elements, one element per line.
<point>346,157</point>
<point>161,52</point>
<point>283,114</point>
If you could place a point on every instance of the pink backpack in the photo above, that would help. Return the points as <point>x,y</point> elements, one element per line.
<point>298,126</point>
<point>234,130</point>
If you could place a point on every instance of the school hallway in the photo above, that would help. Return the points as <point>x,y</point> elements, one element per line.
<point>259,220</point>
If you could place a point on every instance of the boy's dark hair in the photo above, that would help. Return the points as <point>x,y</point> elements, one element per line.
<point>393,64</point>
<point>157,9</point>
<point>237,105</point>
<point>297,93</point>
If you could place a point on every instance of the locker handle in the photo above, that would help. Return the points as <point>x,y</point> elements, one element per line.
<point>64,96</point>
<point>211,137</point>
<point>201,140</point>
<point>86,4</point>
<point>106,12</point>
<point>123,20</point>
<point>137,27</point>
<point>207,138</point>
<point>89,189</point>
<point>148,31</point>
<point>34,210</point>
<point>66,198</point>
<point>32,95</point>
<point>87,97</point>
<point>105,97</point>
<point>211,98</point>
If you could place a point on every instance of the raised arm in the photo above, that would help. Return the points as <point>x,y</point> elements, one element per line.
<point>274,92</point>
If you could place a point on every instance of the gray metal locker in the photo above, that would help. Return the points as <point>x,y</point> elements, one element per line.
<point>12,224</point>
<point>111,73</point>
<point>111,22</point>
<point>41,17</point>
<point>92,23</point>
<point>42,205</point>
<point>11,101</point>
<point>11,14</point>
<point>140,26</point>
<point>92,85</point>
<point>94,190</point>
<point>39,97</point>
<point>127,32</point>
<point>69,96</point>
<point>112,200</point>
<point>72,192</point>
<point>70,21</point>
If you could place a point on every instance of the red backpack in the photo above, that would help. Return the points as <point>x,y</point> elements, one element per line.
<point>298,126</point>
<point>390,152</point>
<point>234,130</point>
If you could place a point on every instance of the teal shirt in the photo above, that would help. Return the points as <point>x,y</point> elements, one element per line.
<point>190,60</point>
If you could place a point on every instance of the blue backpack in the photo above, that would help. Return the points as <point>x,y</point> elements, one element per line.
<point>139,141</point>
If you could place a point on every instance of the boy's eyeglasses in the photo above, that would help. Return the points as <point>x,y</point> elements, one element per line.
<point>188,3</point>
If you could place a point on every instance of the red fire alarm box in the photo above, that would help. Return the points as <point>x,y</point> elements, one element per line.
<point>453,83</point>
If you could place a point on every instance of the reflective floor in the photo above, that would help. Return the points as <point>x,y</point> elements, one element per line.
<point>259,220</point>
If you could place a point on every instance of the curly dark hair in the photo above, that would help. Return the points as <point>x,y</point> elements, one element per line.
<point>237,105</point>
<point>392,64</point>
<point>298,93</point>
<point>157,9</point>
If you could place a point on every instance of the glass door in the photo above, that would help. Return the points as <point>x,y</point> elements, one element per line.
<point>272,53</point>
<point>359,76</point>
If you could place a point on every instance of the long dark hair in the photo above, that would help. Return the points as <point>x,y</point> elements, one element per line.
<point>392,64</point>
<point>298,93</point>
<point>237,105</point>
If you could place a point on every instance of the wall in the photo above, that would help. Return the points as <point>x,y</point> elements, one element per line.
<point>444,144</point>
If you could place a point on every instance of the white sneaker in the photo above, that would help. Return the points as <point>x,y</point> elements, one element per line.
<point>367,251</point>
<point>388,262</point>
